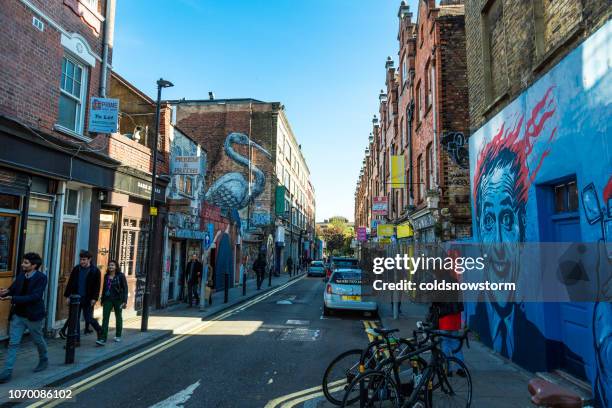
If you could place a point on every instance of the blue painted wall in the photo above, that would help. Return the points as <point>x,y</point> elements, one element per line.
<point>555,131</point>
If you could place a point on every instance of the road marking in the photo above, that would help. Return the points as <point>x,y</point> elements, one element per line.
<point>109,372</point>
<point>179,399</point>
<point>298,322</point>
<point>334,386</point>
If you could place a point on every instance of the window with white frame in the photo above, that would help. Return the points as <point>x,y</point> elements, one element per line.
<point>73,87</point>
<point>185,185</point>
<point>71,204</point>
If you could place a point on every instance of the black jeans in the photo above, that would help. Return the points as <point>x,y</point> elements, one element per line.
<point>260,278</point>
<point>193,292</point>
<point>87,309</point>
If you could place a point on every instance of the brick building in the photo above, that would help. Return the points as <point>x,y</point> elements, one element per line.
<point>539,114</point>
<point>55,57</point>
<point>424,119</point>
<point>251,153</point>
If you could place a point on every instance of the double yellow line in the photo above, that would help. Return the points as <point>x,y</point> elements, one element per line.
<point>109,372</point>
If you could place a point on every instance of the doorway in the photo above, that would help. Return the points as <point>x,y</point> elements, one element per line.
<point>67,256</point>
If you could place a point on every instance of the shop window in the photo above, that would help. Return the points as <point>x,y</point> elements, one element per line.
<point>185,185</point>
<point>10,202</point>
<point>40,204</point>
<point>36,237</point>
<point>71,206</point>
<point>8,241</point>
<point>72,94</point>
<point>566,197</point>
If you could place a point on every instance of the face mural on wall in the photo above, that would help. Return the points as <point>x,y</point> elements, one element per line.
<point>232,191</point>
<point>502,179</point>
<point>504,172</point>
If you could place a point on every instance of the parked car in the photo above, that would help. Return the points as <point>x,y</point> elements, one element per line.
<point>316,268</point>
<point>340,262</point>
<point>343,291</point>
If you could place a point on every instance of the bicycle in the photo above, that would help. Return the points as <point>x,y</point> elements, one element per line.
<point>431,386</point>
<point>345,367</point>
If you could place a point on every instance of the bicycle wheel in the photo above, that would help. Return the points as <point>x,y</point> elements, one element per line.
<point>339,374</point>
<point>373,389</point>
<point>450,389</point>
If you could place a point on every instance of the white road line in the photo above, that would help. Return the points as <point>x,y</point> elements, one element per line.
<point>179,399</point>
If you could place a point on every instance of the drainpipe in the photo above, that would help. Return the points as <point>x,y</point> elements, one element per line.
<point>109,31</point>
<point>435,125</point>
<point>410,188</point>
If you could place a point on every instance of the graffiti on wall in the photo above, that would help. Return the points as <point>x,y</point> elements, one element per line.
<point>232,190</point>
<point>505,169</point>
<point>454,143</point>
<point>556,131</point>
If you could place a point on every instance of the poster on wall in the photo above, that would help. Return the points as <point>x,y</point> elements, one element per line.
<point>362,234</point>
<point>380,206</point>
<point>103,115</point>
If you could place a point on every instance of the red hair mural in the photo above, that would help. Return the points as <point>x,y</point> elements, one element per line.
<point>518,143</point>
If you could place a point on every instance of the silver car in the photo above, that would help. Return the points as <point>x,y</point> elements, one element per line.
<point>343,291</point>
<point>316,268</point>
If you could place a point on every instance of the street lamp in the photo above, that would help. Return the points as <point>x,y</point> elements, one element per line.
<point>161,83</point>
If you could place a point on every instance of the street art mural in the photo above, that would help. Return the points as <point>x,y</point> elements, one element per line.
<point>557,131</point>
<point>454,143</point>
<point>232,190</point>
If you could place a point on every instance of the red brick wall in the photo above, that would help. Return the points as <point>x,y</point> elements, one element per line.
<point>30,67</point>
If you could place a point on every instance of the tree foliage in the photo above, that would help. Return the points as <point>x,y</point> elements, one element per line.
<point>337,235</point>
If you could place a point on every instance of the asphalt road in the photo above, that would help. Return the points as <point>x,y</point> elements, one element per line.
<point>269,354</point>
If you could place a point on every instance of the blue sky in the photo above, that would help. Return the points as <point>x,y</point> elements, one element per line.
<point>323,59</point>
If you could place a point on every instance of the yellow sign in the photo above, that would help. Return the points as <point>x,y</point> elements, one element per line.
<point>153,211</point>
<point>398,171</point>
<point>404,230</point>
<point>384,240</point>
<point>385,230</point>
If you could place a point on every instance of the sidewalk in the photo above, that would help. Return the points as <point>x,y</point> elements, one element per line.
<point>176,319</point>
<point>496,382</point>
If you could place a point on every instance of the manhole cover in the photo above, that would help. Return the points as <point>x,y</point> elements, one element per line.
<point>298,322</point>
<point>300,334</point>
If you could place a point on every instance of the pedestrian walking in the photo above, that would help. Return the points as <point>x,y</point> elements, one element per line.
<point>84,280</point>
<point>446,316</point>
<point>193,271</point>
<point>210,283</point>
<point>259,266</point>
<point>114,298</point>
<point>27,312</point>
<point>290,265</point>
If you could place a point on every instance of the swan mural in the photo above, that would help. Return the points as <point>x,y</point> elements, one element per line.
<point>231,191</point>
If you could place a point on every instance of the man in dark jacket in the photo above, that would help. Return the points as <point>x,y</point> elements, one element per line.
<point>259,266</point>
<point>28,312</point>
<point>84,280</point>
<point>193,273</point>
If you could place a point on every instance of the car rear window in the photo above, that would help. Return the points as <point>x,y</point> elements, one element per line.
<point>345,263</point>
<point>347,278</point>
<point>320,264</point>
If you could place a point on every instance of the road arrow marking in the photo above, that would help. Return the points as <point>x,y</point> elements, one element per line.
<point>178,399</point>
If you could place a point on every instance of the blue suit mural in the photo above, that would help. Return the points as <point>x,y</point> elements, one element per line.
<point>538,170</point>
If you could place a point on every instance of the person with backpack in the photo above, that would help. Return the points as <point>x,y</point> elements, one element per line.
<point>259,266</point>
<point>114,297</point>
<point>28,312</point>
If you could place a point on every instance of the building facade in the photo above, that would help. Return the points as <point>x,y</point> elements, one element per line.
<point>52,169</point>
<point>424,120</point>
<point>539,91</point>
<point>251,152</point>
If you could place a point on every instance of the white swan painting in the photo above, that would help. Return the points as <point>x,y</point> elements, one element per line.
<point>231,190</point>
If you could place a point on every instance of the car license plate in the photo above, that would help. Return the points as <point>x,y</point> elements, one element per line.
<point>354,298</point>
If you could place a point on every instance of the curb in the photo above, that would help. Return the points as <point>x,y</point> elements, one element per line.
<point>60,379</point>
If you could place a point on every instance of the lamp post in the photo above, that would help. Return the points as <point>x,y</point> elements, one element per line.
<point>144,324</point>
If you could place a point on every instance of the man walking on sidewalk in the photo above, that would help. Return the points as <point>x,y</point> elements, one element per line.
<point>193,271</point>
<point>28,312</point>
<point>290,265</point>
<point>84,280</point>
<point>259,266</point>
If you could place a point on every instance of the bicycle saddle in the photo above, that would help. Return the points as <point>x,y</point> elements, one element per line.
<point>547,394</point>
<point>384,332</point>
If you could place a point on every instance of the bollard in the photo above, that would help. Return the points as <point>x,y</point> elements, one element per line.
<point>226,294</point>
<point>270,277</point>
<point>244,279</point>
<point>73,327</point>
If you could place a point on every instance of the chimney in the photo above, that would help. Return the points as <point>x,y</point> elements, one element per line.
<point>389,63</point>
<point>211,95</point>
